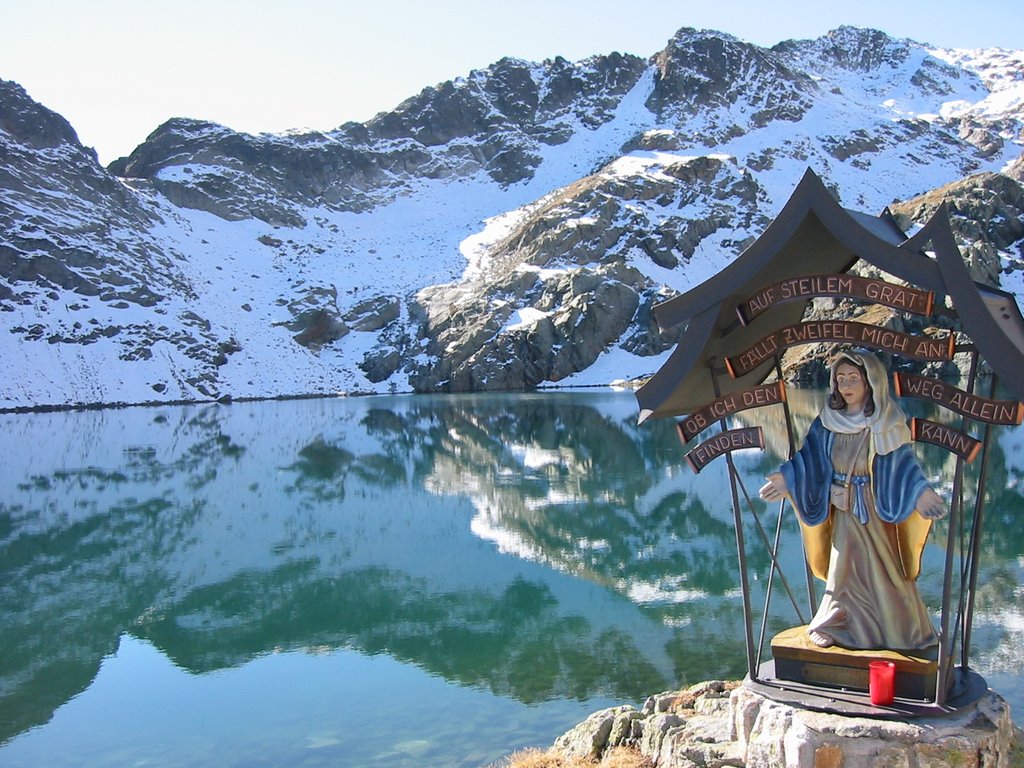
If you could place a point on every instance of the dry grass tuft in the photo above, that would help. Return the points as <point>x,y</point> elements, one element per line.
<point>616,757</point>
<point>625,757</point>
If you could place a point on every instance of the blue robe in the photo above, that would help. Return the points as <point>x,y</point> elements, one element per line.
<point>896,479</point>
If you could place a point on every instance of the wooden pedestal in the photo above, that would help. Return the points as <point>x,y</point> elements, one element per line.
<point>800,660</point>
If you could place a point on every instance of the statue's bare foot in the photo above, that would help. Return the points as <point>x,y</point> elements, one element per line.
<point>820,639</point>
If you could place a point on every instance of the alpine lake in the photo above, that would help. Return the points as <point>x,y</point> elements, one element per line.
<point>396,580</point>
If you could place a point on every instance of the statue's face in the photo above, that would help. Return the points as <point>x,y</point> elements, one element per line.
<point>852,386</point>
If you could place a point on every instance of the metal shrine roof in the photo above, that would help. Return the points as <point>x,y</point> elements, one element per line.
<point>814,234</point>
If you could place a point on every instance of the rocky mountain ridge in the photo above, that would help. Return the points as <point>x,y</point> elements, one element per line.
<point>504,230</point>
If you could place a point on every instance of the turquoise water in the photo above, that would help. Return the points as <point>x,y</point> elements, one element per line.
<point>388,581</point>
<point>329,707</point>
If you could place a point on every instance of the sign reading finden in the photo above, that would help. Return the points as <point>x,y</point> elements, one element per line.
<point>705,416</point>
<point>1008,412</point>
<point>901,297</point>
<point>724,442</point>
<point>844,332</point>
<point>954,441</point>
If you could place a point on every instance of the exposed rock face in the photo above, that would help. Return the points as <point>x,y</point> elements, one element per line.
<point>877,58</point>
<point>567,281</point>
<point>986,212</point>
<point>723,724</point>
<point>25,121</point>
<point>493,121</point>
<point>64,219</point>
<point>1015,170</point>
<point>851,48</point>
<point>202,165</point>
<point>702,72</point>
<point>513,96</point>
<point>79,260</point>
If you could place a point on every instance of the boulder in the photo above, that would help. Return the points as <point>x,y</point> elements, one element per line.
<point>373,314</point>
<point>317,327</point>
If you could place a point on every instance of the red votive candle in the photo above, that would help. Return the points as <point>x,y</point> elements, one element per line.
<point>882,681</point>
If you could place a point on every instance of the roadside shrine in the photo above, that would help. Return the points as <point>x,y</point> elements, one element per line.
<point>738,325</point>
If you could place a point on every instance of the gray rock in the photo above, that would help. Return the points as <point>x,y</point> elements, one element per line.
<point>381,363</point>
<point>590,738</point>
<point>655,729</point>
<point>984,209</point>
<point>374,313</point>
<point>317,328</point>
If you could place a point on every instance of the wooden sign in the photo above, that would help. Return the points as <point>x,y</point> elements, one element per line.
<point>1008,412</point>
<point>960,443</point>
<point>842,331</point>
<point>705,416</point>
<point>911,300</point>
<point>724,442</point>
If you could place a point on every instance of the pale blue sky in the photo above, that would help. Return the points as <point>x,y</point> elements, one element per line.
<point>117,69</point>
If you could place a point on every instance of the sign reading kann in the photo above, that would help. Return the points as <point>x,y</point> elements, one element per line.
<point>960,443</point>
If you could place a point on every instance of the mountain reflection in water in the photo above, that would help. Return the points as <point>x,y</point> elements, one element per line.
<point>535,547</point>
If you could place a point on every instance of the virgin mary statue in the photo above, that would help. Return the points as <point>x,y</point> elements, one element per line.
<point>865,510</point>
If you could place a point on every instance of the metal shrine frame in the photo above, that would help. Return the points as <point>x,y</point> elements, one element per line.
<point>740,322</point>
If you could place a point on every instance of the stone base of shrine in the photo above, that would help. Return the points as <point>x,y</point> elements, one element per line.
<point>799,660</point>
<point>731,724</point>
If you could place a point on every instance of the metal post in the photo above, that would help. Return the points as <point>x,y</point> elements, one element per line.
<point>947,643</point>
<point>741,549</point>
<point>773,550</point>
<point>773,553</point>
<point>812,599</point>
<point>945,646</point>
<point>975,547</point>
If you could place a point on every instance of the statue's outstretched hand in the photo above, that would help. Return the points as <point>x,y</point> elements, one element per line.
<point>930,505</point>
<point>775,489</point>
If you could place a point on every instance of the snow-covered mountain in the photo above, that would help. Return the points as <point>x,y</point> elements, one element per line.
<point>506,229</point>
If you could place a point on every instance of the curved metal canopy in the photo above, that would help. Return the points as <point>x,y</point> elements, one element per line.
<point>814,234</point>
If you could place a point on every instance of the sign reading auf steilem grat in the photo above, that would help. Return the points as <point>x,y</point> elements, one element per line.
<point>901,297</point>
